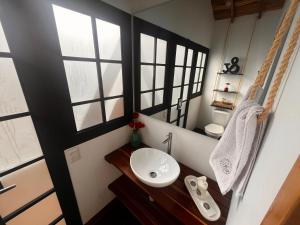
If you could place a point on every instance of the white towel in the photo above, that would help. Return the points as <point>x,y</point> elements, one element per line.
<point>233,158</point>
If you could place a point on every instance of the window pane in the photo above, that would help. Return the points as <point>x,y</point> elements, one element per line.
<point>3,42</point>
<point>31,182</point>
<point>74,32</point>
<point>146,78</point>
<point>174,113</point>
<point>194,88</point>
<point>176,95</point>
<point>114,108</point>
<point>177,76</point>
<point>183,107</point>
<point>181,121</point>
<point>87,115</point>
<point>201,74</point>
<point>196,78</point>
<point>43,212</point>
<point>185,92</point>
<point>187,75</point>
<point>161,51</point>
<point>203,60</point>
<point>189,57</point>
<point>147,48</point>
<point>160,77</point>
<point>12,99</point>
<point>146,100</point>
<point>18,142</point>
<point>109,40</point>
<point>199,59</point>
<point>82,80</point>
<point>199,87</point>
<point>159,97</point>
<point>112,79</point>
<point>180,52</point>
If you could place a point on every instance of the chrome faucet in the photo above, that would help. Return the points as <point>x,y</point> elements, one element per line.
<point>169,141</point>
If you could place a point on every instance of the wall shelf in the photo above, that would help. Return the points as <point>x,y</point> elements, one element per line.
<point>172,204</point>
<point>232,74</point>
<point>229,92</point>
<point>219,104</point>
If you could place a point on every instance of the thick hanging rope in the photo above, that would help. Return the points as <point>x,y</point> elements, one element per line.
<point>260,79</point>
<point>282,69</point>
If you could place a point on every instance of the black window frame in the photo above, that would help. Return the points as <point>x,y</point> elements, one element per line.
<point>107,13</point>
<point>143,27</point>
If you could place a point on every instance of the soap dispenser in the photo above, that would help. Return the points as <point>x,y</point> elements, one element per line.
<point>197,188</point>
<point>202,185</point>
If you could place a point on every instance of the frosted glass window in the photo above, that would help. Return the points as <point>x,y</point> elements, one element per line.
<point>160,77</point>
<point>199,59</point>
<point>87,115</point>
<point>147,48</point>
<point>146,77</point>
<point>112,79</point>
<point>161,50</point>
<point>203,60</point>
<point>199,87</point>
<point>174,113</point>
<point>31,182</point>
<point>159,97</point>
<point>185,92</point>
<point>177,76</point>
<point>181,121</point>
<point>43,212</point>
<point>12,100</point>
<point>201,74</point>
<point>176,95</point>
<point>82,80</point>
<point>187,75</point>
<point>196,78</point>
<point>146,100</point>
<point>183,107</point>
<point>109,40</point>
<point>180,52</point>
<point>114,108</point>
<point>19,143</point>
<point>3,42</point>
<point>194,88</point>
<point>189,57</point>
<point>74,32</point>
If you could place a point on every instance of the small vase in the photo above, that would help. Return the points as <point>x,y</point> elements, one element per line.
<point>135,139</point>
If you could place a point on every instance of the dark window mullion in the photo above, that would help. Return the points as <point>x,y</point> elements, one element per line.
<point>154,72</point>
<point>5,55</point>
<point>94,29</point>
<point>14,116</point>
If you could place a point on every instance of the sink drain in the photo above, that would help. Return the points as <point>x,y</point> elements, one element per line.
<point>153,174</point>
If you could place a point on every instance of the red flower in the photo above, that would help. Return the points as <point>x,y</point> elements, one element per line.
<point>139,125</point>
<point>131,124</point>
<point>135,115</point>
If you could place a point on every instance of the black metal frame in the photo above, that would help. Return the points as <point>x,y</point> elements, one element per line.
<point>37,57</point>
<point>141,26</point>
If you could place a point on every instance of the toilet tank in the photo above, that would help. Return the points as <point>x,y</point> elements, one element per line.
<point>220,117</point>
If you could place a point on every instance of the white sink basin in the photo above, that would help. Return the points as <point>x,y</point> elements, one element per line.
<point>154,167</point>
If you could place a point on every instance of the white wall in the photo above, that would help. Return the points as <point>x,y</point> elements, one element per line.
<point>190,148</point>
<point>91,174</point>
<point>278,153</point>
<point>237,45</point>
<point>192,19</point>
<point>194,109</point>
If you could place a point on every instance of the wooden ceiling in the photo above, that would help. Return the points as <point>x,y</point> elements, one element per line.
<point>224,9</point>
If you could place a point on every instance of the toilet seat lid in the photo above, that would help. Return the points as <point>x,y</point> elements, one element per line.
<point>214,129</point>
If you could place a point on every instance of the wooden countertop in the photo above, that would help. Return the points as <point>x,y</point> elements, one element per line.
<point>174,199</point>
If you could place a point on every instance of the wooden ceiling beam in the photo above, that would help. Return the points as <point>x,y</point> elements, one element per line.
<point>232,11</point>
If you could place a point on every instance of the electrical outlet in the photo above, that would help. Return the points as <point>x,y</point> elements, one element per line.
<point>75,155</point>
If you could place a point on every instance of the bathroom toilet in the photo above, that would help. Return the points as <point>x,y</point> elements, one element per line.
<point>220,119</point>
